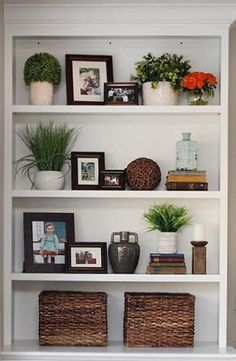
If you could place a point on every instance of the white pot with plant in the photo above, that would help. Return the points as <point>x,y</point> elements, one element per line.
<point>161,78</point>
<point>168,219</point>
<point>50,148</point>
<point>42,71</point>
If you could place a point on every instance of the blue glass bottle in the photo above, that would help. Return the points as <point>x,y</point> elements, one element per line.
<point>186,153</point>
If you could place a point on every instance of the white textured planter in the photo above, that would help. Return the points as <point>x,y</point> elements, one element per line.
<point>41,93</point>
<point>49,180</point>
<point>162,95</point>
<point>167,242</point>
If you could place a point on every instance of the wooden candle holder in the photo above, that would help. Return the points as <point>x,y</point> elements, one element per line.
<point>199,257</point>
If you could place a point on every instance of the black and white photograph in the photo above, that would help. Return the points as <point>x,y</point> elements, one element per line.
<point>112,179</point>
<point>121,93</point>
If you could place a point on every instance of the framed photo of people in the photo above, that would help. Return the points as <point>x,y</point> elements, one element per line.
<point>121,93</point>
<point>45,239</point>
<point>86,168</point>
<point>85,78</point>
<point>86,257</point>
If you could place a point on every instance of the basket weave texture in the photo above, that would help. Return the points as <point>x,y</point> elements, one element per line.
<point>143,174</point>
<point>72,318</point>
<point>159,319</point>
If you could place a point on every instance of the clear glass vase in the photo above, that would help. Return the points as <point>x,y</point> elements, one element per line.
<point>198,99</point>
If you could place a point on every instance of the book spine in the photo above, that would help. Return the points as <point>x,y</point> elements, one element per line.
<point>186,186</point>
<point>167,255</point>
<point>166,260</point>
<point>187,172</point>
<point>186,178</point>
<point>167,264</point>
<point>166,270</point>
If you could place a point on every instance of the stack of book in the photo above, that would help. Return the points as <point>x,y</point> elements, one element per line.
<point>186,180</point>
<point>166,263</point>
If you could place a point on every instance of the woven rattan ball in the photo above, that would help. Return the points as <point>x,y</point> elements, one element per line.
<point>143,174</point>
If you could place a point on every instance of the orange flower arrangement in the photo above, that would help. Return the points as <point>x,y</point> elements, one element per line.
<point>199,82</point>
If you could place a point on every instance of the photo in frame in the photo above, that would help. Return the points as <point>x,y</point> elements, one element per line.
<point>121,93</point>
<point>86,257</point>
<point>112,179</point>
<point>86,168</point>
<point>45,239</point>
<point>85,78</point>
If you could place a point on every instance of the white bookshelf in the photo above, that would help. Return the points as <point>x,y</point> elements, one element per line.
<point>123,133</point>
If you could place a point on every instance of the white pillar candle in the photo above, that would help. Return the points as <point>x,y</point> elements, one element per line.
<point>199,232</point>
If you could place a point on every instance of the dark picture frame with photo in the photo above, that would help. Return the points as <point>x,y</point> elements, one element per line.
<point>121,93</point>
<point>112,180</point>
<point>86,257</point>
<point>85,78</point>
<point>86,168</point>
<point>45,239</point>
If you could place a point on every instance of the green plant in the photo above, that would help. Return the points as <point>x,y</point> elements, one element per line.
<point>168,67</point>
<point>42,67</point>
<point>49,144</point>
<point>167,217</point>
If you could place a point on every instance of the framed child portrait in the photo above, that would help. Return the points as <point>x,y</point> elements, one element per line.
<point>86,257</point>
<point>85,78</point>
<point>45,239</point>
<point>86,168</point>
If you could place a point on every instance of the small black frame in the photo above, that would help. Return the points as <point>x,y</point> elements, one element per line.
<point>86,257</point>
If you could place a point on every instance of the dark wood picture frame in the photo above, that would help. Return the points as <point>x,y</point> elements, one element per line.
<point>32,249</point>
<point>112,180</point>
<point>87,263</point>
<point>121,93</point>
<point>85,78</point>
<point>77,173</point>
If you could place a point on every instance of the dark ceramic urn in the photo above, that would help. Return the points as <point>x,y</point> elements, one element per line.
<point>124,252</point>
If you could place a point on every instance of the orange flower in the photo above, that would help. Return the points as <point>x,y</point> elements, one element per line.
<point>189,82</point>
<point>199,81</point>
<point>211,79</point>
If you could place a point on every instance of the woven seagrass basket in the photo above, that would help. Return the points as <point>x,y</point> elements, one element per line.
<point>159,319</point>
<point>72,318</point>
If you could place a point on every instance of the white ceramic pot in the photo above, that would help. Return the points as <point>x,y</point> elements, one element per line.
<point>41,93</point>
<point>167,242</point>
<point>49,180</point>
<point>164,94</point>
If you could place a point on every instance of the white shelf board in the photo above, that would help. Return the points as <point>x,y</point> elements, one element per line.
<point>128,194</point>
<point>88,277</point>
<point>30,350</point>
<point>108,109</point>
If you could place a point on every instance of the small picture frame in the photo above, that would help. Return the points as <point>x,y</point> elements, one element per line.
<point>45,239</point>
<point>85,78</point>
<point>86,168</point>
<point>112,179</point>
<point>121,93</point>
<point>86,257</point>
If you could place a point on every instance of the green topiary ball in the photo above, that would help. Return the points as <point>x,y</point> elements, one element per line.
<point>42,67</point>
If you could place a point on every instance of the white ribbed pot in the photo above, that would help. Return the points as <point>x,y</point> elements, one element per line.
<point>164,94</point>
<point>41,93</point>
<point>49,180</point>
<point>167,242</point>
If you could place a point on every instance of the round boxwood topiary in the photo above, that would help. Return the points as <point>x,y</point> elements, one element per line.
<point>42,67</point>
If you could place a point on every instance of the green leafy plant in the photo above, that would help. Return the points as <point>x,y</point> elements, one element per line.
<point>168,67</point>
<point>42,67</point>
<point>49,144</point>
<point>167,217</point>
